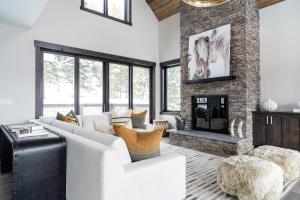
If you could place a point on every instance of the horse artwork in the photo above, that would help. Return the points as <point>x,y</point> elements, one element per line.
<point>209,54</point>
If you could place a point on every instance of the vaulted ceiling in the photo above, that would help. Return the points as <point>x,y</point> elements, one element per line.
<point>166,8</point>
<point>21,13</point>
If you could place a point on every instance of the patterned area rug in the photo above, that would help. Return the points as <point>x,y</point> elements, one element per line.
<point>201,180</point>
<point>201,176</point>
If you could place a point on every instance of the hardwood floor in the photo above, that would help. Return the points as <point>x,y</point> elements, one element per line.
<point>5,187</point>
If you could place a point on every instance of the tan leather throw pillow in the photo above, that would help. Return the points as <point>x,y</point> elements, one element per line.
<point>141,145</point>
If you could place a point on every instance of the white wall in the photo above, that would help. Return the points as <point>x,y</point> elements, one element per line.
<point>62,22</point>
<point>169,38</point>
<point>280,53</point>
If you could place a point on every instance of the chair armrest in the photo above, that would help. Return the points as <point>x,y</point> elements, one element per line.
<point>166,175</point>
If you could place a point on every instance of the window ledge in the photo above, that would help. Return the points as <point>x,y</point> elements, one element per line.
<point>170,112</point>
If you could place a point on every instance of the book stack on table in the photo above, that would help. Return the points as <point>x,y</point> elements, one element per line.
<point>27,130</point>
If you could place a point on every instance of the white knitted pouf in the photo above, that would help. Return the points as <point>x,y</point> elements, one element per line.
<point>288,160</point>
<point>250,178</point>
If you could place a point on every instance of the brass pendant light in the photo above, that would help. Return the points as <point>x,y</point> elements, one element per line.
<point>205,3</point>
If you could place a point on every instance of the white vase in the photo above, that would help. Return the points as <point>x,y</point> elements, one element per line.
<point>232,133</point>
<point>270,105</point>
<point>240,129</point>
<point>298,104</point>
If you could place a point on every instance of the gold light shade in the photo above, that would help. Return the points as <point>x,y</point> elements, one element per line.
<point>205,3</point>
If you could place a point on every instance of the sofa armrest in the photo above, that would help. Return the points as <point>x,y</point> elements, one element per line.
<point>92,168</point>
<point>160,178</point>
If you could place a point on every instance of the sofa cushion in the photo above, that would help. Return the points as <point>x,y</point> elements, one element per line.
<point>63,125</point>
<point>103,127</point>
<point>139,119</point>
<point>141,145</point>
<point>46,120</point>
<point>107,140</point>
<point>88,121</point>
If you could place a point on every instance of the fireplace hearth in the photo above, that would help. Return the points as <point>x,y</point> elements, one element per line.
<point>210,113</point>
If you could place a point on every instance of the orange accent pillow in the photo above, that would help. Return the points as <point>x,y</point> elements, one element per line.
<point>141,145</point>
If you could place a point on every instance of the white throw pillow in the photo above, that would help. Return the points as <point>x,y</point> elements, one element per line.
<point>88,120</point>
<point>103,127</point>
<point>122,118</point>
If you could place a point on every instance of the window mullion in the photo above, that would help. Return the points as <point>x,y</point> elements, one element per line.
<point>106,86</point>
<point>130,86</point>
<point>165,89</point>
<point>39,83</point>
<point>152,94</point>
<point>76,86</point>
<point>105,8</point>
<point>126,14</point>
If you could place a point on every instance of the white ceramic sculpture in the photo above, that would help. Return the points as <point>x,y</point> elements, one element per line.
<point>232,133</point>
<point>270,105</point>
<point>240,129</point>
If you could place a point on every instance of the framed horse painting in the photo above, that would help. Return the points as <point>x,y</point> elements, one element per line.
<point>209,54</point>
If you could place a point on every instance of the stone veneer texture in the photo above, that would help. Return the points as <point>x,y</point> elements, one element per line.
<point>244,92</point>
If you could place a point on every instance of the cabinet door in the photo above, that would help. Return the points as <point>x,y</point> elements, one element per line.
<point>259,129</point>
<point>274,136</point>
<point>291,132</point>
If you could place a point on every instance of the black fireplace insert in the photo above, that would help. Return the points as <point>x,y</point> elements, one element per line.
<point>210,113</point>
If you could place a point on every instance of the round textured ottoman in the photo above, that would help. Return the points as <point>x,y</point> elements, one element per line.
<point>288,160</point>
<point>250,178</point>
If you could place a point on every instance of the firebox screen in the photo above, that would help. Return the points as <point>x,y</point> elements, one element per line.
<point>210,113</point>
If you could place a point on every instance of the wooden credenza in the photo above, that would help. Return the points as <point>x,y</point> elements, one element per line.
<point>280,129</point>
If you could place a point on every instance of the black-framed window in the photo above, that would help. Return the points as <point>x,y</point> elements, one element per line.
<point>90,82</point>
<point>118,10</point>
<point>170,87</point>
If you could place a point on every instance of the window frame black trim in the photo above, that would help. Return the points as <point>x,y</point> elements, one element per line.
<point>77,53</point>
<point>128,12</point>
<point>164,99</point>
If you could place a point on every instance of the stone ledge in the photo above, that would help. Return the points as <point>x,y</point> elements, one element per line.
<point>214,142</point>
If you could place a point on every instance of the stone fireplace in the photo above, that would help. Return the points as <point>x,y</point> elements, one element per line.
<point>244,91</point>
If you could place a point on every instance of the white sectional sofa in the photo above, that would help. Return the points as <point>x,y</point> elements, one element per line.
<point>99,166</point>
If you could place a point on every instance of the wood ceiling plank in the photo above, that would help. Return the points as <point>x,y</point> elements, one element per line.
<point>166,8</point>
<point>266,3</point>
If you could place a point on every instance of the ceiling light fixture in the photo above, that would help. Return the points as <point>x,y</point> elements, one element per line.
<point>205,3</point>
